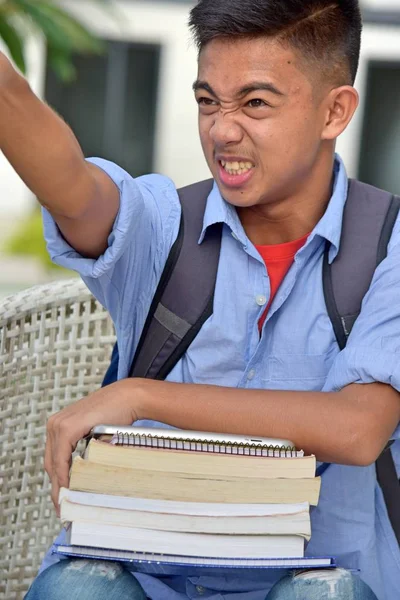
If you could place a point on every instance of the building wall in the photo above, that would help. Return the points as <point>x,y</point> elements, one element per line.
<point>178,151</point>
<point>177,148</point>
<point>381,4</point>
<point>15,198</point>
<point>380,43</point>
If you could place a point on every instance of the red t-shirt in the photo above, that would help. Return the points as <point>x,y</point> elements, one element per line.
<point>278,259</point>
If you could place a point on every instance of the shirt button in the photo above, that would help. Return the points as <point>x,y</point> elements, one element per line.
<point>235,237</point>
<point>251,374</point>
<point>200,589</point>
<point>261,300</point>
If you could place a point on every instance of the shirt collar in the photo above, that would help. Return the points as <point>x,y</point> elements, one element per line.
<point>329,227</point>
<point>220,211</point>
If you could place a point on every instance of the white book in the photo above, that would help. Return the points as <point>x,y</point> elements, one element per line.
<point>113,537</point>
<point>216,509</point>
<point>278,524</point>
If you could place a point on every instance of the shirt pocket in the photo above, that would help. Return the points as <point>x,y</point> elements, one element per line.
<point>297,371</point>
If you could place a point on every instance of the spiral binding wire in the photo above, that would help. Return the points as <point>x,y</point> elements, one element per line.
<point>217,447</point>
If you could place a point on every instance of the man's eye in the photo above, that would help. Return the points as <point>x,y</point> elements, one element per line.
<point>256,103</point>
<point>204,101</point>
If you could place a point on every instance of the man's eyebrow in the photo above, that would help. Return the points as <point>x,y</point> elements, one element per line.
<point>255,86</point>
<point>203,85</point>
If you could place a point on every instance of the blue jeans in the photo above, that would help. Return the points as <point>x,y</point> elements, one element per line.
<point>336,584</point>
<point>79,579</point>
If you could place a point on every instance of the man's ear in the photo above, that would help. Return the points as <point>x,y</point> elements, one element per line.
<point>340,106</point>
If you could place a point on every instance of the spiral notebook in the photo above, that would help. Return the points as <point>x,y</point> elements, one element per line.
<point>198,441</point>
<point>167,564</point>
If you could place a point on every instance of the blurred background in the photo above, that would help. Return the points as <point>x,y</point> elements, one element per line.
<point>120,73</point>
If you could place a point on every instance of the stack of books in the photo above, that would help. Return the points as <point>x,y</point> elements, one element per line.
<point>134,499</point>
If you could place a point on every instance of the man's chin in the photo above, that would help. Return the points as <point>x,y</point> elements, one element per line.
<point>240,198</point>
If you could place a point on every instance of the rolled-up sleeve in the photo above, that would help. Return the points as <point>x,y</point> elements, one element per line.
<point>373,349</point>
<point>143,232</point>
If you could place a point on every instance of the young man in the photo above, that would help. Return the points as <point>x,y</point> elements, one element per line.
<point>274,90</point>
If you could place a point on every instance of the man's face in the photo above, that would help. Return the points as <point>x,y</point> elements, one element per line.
<point>260,120</point>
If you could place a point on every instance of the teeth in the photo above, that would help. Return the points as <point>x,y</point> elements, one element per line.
<point>236,168</point>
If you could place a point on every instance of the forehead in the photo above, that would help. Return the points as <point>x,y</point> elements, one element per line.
<point>227,65</point>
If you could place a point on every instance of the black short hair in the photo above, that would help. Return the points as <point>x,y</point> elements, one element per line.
<point>327,32</point>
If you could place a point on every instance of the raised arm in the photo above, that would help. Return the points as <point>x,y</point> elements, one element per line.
<point>43,150</point>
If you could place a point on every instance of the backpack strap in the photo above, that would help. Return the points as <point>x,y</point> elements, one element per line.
<point>368,221</point>
<point>184,297</point>
<point>390,486</point>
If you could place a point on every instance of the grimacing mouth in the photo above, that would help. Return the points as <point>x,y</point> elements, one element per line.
<point>236,167</point>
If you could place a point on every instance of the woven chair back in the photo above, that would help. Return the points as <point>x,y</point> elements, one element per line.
<point>55,346</point>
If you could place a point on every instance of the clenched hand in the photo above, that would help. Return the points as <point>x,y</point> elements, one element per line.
<point>117,404</point>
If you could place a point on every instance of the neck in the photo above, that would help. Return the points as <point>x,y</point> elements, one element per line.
<point>295,215</point>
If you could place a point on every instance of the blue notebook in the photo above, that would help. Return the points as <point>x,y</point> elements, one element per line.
<point>167,564</point>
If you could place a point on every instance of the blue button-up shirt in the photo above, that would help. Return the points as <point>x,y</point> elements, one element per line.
<point>297,351</point>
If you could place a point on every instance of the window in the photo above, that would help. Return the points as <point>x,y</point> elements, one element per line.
<point>380,147</point>
<point>111,107</point>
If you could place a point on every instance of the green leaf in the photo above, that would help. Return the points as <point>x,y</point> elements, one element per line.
<point>60,28</point>
<point>28,240</point>
<point>79,35</point>
<point>64,34</point>
<point>14,43</point>
<point>61,63</point>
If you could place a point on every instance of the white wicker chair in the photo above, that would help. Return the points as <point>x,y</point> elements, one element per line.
<point>55,344</point>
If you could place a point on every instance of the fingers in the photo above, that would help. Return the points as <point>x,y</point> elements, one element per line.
<point>61,467</point>
<point>60,445</point>
<point>111,405</point>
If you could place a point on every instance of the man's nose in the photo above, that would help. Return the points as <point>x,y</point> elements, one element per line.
<point>226,130</point>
